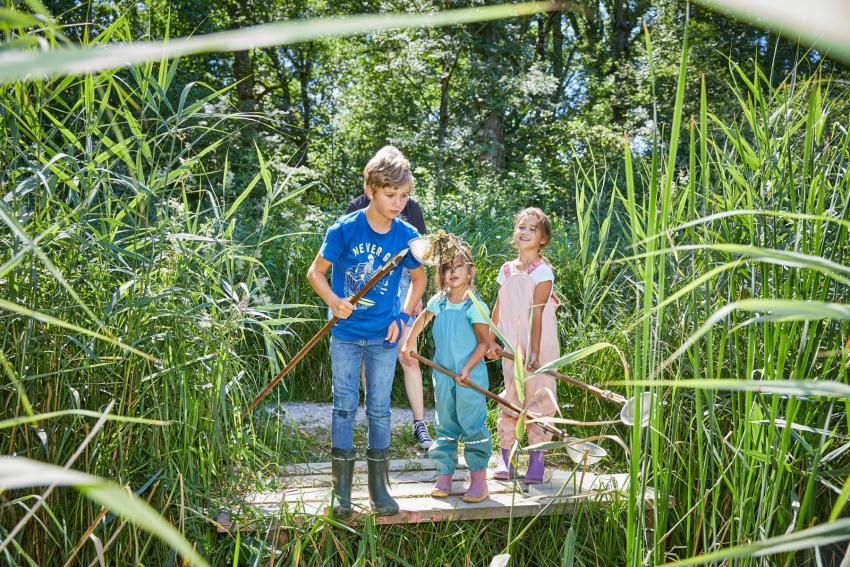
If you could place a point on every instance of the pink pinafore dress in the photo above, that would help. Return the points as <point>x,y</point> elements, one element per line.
<point>515,302</point>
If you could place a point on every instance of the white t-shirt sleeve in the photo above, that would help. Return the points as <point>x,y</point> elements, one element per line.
<point>500,279</point>
<point>543,273</point>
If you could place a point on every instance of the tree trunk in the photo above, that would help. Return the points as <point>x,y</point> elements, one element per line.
<point>557,45</point>
<point>494,140</point>
<point>243,65</point>
<point>445,82</point>
<point>305,72</point>
<point>622,29</point>
<point>283,79</point>
<point>619,58</point>
<point>243,71</point>
<point>492,130</point>
<point>542,32</point>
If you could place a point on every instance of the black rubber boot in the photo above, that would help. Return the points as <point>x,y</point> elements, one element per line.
<point>342,471</point>
<point>379,476</point>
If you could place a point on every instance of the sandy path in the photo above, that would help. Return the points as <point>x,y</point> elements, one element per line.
<point>315,415</point>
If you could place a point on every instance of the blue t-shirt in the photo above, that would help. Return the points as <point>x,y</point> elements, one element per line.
<point>357,252</point>
<point>435,305</point>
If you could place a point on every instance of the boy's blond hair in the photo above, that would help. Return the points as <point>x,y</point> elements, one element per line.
<point>388,168</point>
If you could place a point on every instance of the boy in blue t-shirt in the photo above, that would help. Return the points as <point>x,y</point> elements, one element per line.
<point>357,246</point>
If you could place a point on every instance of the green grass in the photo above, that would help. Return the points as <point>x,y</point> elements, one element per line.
<point>132,274</point>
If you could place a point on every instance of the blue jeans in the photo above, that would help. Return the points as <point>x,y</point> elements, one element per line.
<point>346,357</point>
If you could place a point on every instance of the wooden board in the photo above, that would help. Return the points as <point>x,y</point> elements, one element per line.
<point>304,491</point>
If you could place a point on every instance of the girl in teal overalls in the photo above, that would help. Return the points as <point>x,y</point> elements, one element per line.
<point>461,338</point>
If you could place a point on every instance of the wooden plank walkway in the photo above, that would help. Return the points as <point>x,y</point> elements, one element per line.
<point>306,490</point>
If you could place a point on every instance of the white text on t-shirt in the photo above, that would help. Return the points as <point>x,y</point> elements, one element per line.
<point>369,248</point>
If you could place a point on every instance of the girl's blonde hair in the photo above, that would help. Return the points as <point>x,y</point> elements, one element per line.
<point>544,225</point>
<point>440,276</point>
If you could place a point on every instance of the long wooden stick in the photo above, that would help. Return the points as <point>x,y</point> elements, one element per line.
<point>306,348</point>
<point>606,394</point>
<point>498,399</point>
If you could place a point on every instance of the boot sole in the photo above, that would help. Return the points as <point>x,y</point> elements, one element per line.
<point>547,476</point>
<point>476,499</point>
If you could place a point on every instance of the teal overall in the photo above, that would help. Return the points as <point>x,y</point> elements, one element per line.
<point>461,412</point>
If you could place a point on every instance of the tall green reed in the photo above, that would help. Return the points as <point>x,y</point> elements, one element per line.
<point>749,233</point>
<point>123,280</point>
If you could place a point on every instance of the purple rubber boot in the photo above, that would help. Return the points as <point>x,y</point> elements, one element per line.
<point>477,491</point>
<point>504,470</point>
<point>443,487</point>
<point>534,474</point>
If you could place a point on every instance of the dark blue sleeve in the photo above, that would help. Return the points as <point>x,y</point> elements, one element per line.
<point>415,217</point>
<point>357,203</point>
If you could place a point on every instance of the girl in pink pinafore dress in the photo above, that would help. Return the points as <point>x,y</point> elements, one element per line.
<point>525,314</point>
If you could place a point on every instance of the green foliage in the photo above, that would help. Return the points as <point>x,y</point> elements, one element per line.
<point>155,232</point>
<point>122,279</point>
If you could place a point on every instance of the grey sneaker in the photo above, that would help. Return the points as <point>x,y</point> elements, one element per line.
<point>420,435</point>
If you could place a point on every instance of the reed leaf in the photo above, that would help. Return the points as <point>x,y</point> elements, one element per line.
<point>50,320</point>
<point>16,421</point>
<point>818,23</point>
<point>820,535</point>
<point>786,309</point>
<point>18,65</point>
<point>17,473</point>
<point>821,388</point>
